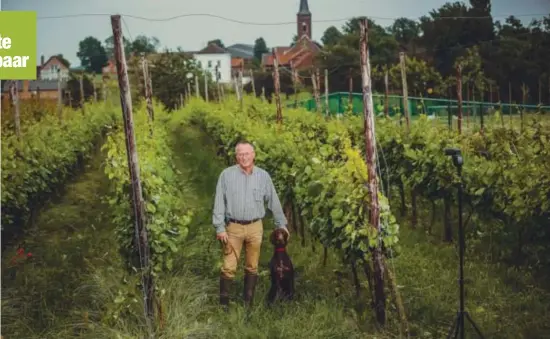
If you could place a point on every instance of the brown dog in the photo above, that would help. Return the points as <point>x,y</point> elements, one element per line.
<point>282,270</point>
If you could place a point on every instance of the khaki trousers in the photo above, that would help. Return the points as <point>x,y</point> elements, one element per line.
<point>249,236</point>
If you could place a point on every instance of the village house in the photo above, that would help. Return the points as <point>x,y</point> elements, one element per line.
<point>28,89</point>
<point>301,56</point>
<point>49,70</point>
<point>212,58</point>
<point>109,70</point>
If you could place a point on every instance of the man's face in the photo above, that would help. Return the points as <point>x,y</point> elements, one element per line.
<point>245,155</point>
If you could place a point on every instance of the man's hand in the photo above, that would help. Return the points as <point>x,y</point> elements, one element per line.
<point>287,232</point>
<point>223,237</point>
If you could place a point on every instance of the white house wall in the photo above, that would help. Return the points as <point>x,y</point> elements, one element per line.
<point>209,62</point>
<point>51,74</point>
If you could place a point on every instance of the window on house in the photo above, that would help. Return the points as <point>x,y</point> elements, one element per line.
<point>209,63</point>
<point>219,63</point>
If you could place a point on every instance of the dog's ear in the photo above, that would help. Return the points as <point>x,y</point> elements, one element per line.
<point>272,237</point>
<point>286,235</point>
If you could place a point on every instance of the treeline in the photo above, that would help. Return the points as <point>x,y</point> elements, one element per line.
<point>498,54</point>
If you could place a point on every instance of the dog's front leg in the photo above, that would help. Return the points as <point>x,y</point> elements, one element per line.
<point>272,294</point>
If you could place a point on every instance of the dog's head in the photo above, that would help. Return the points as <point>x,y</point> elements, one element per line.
<point>279,238</point>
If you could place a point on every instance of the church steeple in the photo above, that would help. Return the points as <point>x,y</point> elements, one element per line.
<point>304,8</point>
<point>304,20</point>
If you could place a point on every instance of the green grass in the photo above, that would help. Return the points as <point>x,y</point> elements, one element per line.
<point>68,239</point>
<point>504,303</point>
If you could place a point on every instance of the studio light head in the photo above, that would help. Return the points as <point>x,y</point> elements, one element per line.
<point>456,154</point>
<point>452,151</point>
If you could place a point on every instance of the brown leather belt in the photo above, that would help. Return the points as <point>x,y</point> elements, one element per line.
<point>243,222</point>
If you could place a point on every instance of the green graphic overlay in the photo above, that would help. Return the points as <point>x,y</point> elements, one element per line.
<point>17,45</point>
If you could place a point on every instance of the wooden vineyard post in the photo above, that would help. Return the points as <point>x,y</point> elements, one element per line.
<point>241,92</point>
<point>350,99</point>
<point>370,151</point>
<point>295,85</point>
<point>510,102</point>
<point>459,96</point>
<point>237,92</point>
<point>263,93</point>
<point>405,90</point>
<point>205,86</point>
<point>197,92</point>
<point>137,198</point>
<point>449,111</point>
<point>524,94</point>
<point>104,91</point>
<point>148,90</point>
<point>15,101</point>
<point>318,80</point>
<point>315,84</point>
<point>95,92</point>
<point>82,93</point>
<point>252,82</point>
<point>540,91</point>
<point>326,93</point>
<point>188,90</point>
<point>218,85</point>
<point>277,86</point>
<point>222,92</point>
<point>59,96</point>
<point>386,95</point>
<point>481,121</point>
<point>468,102</point>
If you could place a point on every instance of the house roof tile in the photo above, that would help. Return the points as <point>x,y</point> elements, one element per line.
<point>212,49</point>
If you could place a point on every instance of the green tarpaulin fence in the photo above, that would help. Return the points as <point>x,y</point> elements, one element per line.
<point>338,103</point>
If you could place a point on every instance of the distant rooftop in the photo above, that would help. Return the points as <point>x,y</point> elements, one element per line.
<point>44,85</point>
<point>241,50</point>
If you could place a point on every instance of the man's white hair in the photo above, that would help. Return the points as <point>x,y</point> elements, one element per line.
<point>244,143</point>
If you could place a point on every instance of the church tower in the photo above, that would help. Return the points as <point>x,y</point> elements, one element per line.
<point>304,20</point>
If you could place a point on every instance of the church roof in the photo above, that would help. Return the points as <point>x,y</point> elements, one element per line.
<point>304,8</point>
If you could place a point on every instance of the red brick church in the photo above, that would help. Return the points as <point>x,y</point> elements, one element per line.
<point>302,54</point>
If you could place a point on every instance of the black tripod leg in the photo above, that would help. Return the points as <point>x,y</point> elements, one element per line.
<point>454,328</point>
<point>478,331</point>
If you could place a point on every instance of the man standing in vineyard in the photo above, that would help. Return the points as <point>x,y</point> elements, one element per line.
<point>241,192</point>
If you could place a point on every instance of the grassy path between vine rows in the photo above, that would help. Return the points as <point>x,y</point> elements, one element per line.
<point>53,294</point>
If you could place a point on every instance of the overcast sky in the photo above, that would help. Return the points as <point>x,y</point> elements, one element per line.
<point>192,32</point>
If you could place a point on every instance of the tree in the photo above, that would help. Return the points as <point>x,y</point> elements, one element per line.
<point>447,39</point>
<point>260,47</point>
<point>331,36</point>
<point>406,32</point>
<point>170,74</point>
<point>420,77</point>
<point>92,55</point>
<point>217,42</point>
<point>144,44</point>
<point>294,40</point>
<point>110,46</point>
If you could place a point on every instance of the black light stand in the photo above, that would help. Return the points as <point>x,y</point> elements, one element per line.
<point>458,325</point>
